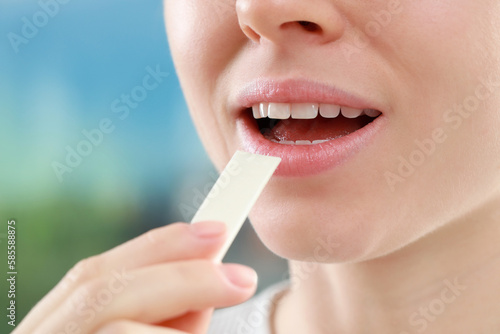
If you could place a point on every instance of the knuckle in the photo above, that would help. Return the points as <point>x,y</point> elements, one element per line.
<point>90,294</point>
<point>85,290</point>
<point>84,270</point>
<point>149,237</point>
<point>152,236</point>
<point>157,235</point>
<point>197,272</point>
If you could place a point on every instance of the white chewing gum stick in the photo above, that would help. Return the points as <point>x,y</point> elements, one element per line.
<point>235,193</point>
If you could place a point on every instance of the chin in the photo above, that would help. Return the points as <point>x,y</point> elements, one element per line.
<point>311,222</point>
<point>311,231</point>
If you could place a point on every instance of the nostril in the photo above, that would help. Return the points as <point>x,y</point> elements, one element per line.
<point>310,26</point>
<point>251,33</point>
<point>303,25</point>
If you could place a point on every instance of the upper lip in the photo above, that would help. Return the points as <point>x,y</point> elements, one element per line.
<point>299,91</point>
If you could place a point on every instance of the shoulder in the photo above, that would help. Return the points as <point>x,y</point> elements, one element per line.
<point>251,317</point>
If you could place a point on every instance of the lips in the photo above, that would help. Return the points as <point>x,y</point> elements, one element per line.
<point>313,128</point>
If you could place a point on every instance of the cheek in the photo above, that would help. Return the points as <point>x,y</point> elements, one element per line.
<point>438,54</point>
<point>451,56</point>
<point>204,37</point>
<point>434,48</point>
<point>445,62</point>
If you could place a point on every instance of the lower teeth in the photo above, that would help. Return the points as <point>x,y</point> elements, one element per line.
<point>301,142</point>
<point>281,132</point>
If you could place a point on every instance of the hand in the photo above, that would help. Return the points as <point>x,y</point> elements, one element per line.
<point>163,282</point>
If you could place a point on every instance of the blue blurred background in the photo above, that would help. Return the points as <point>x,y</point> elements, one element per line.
<point>147,172</point>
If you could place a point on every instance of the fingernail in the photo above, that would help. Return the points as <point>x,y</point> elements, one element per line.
<point>240,276</point>
<point>209,229</point>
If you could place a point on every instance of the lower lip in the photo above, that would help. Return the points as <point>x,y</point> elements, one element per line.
<point>307,160</point>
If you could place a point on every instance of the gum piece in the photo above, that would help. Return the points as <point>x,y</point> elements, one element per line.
<point>235,193</point>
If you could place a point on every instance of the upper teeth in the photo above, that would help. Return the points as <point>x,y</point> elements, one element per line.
<point>307,111</point>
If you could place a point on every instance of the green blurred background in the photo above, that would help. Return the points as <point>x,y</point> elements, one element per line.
<point>146,173</point>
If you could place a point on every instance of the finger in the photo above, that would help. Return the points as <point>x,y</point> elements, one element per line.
<point>174,242</point>
<point>192,322</point>
<point>130,327</point>
<point>156,294</point>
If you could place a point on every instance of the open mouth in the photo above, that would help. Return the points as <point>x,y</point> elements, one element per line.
<point>309,123</point>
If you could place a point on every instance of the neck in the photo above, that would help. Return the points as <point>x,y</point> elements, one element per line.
<point>450,275</point>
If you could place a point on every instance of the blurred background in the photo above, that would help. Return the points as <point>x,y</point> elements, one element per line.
<point>66,71</point>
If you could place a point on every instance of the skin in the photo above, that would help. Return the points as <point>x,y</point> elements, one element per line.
<point>168,285</point>
<point>366,255</point>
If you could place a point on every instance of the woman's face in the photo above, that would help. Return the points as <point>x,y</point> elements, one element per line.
<point>431,67</point>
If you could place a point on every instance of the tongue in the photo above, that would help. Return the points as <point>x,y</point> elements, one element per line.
<point>314,129</point>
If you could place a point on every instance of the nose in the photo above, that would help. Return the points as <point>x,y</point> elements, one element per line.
<point>281,21</point>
